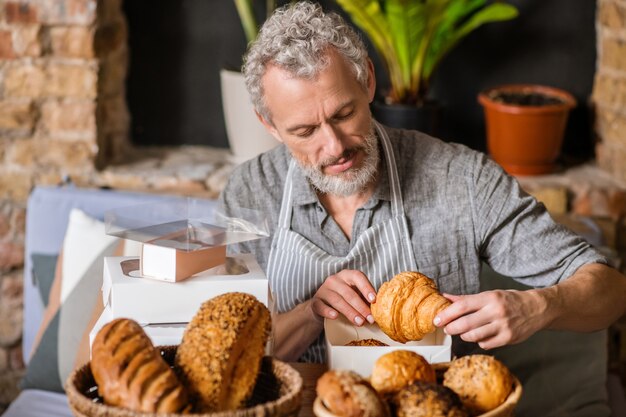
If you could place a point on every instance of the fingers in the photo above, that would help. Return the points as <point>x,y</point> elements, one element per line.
<point>491,319</point>
<point>345,293</point>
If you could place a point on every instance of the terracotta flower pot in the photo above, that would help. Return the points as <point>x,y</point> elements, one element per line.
<point>525,139</point>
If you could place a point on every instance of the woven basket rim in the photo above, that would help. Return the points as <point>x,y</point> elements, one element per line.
<point>290,400</point>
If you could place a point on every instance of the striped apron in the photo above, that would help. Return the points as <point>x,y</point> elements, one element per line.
<point>297,268</point>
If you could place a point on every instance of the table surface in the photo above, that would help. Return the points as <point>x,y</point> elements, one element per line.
<point>310,373</point>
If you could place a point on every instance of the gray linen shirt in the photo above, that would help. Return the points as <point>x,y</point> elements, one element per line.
<point>462,209</point>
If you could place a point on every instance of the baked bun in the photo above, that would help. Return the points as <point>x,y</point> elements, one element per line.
<point>399,368</point>
<point>366,342</point>
<point>428,400</point>
<point>131,373</point>
<point>347,394</point>
<point>406,306</point>
<point>482,381</point>
<point>221,351</point>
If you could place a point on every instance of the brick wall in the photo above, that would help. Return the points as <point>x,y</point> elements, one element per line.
<point>609,91</point>
<point>63,116</point>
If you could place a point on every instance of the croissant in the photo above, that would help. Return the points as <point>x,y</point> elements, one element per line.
<point>131,373</point>
<point>406,306</point>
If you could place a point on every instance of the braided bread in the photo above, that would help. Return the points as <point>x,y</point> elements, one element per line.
<point>131,373</point>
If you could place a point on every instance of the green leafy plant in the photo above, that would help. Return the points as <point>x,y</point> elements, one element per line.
<point>412,36</point>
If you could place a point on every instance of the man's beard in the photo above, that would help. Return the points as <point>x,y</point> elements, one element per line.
<point>352,181</point>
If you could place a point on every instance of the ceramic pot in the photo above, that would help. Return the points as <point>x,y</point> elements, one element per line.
<point>423,118</point>
<point>526,139</point>
<point>247,137</point>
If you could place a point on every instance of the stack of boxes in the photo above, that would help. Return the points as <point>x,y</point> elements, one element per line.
<point>163,288</point>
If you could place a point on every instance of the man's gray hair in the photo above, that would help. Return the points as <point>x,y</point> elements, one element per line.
<point>297,38</point>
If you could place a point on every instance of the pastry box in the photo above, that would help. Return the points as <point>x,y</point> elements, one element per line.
<point>127,293</point>
<point>435,347</point>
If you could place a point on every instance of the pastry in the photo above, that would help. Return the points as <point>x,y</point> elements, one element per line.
<point>131,373</point>
<point>347,394</point>
<point>366,342</point>
<point>406,306</point>
<point>482,381</point>
<point>397,369</point>
<point>426,399</point>
<point>220,355</point>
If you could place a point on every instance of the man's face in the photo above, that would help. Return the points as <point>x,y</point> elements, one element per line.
<point>326,124</point>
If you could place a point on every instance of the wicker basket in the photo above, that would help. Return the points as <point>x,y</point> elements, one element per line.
<point>503,410</point>
<point>278,393</point>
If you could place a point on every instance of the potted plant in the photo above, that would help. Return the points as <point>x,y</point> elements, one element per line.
<point>412,37</point>
<point>525,126</point>
<point>246,135</point>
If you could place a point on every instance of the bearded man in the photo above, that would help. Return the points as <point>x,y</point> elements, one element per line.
<point>351,203</point>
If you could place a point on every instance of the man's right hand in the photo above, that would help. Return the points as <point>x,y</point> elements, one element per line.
<point>345,293</point>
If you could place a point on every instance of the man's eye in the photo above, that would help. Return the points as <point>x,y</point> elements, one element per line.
<point>305,133</point>
<point>344,116</point>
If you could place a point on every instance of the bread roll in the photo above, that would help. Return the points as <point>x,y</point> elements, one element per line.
<point>406,306</point>
<point>482,381</point>
<point>221,351</point>
<point>399,368</point>
<point>131,373</point>
<point>366,342</point>
<point>426,399</point>
<point>347,394</point>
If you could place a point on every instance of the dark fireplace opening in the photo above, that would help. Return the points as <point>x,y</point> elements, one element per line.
<point>176,50</point>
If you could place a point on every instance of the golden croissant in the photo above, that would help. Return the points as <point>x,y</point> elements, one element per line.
<point>406,306</point>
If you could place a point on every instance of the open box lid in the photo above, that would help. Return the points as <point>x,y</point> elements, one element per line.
<point>186,225</point>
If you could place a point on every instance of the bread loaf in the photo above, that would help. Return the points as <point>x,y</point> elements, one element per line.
<point>131,373</point>
<point>406,306</point>
<point>482,381</point>
<point>399,368</point>
<point>427,399</point>
<point>221,351</point>
<point>347,394</point>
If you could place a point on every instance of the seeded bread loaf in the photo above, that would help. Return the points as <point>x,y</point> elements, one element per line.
<point>482,381</point>
<point>131,373</point>
<point>427,399</point>
<point>221,351</point>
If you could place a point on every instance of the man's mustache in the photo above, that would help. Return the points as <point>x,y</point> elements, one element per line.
<point>347,154</point>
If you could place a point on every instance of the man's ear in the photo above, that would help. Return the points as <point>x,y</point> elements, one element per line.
<point>269,127</point>
<point>371,80</point>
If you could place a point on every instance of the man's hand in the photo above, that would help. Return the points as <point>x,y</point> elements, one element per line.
<point>345,293</point>
<point>493,318</point>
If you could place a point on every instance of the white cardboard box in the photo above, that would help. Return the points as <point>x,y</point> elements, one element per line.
<point>173,265</point>
<point>435,347</point>
<point>146,301</point>
<point>160,334</point>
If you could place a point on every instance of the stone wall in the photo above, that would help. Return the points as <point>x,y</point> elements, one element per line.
<point>609,91</point>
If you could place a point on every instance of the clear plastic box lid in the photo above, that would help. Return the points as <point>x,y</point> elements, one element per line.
<point>187,225</point>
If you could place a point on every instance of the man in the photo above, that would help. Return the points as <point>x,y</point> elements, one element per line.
<point>351,203</point>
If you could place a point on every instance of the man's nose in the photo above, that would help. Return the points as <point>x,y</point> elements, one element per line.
<point>333,144</point>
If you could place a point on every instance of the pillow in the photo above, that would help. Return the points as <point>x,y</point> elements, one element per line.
<point>43,273</point>
<point>73,302</point>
